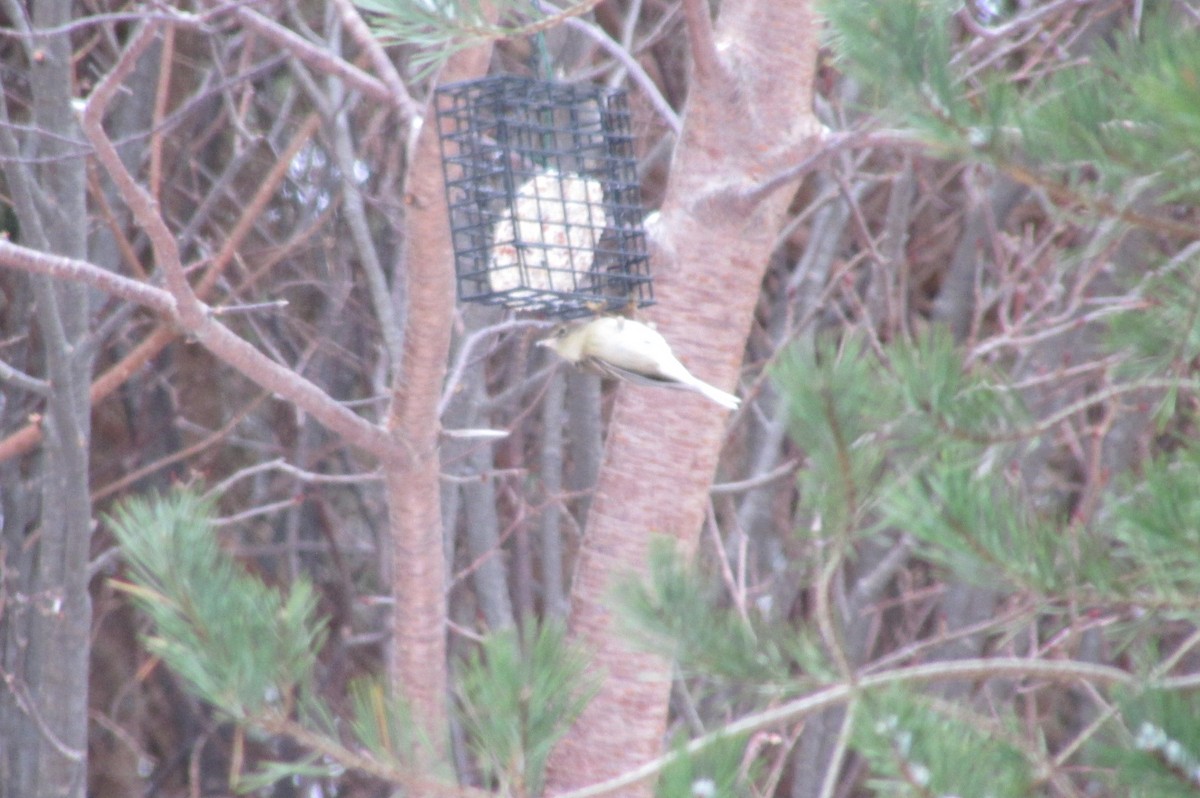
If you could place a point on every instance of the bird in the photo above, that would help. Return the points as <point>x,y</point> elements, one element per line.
<point>629,350</point>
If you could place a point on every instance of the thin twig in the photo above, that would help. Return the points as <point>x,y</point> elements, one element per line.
<point>26,382</point>
<point>706,63</point>
<point>409,108</point>
<point>188,311</point>
<point>835,695</point>
<point>320,58</point>
<point>631,65</point>
<point>466,351</point>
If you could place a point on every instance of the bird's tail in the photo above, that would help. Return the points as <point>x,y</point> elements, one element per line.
<point>716,394</point>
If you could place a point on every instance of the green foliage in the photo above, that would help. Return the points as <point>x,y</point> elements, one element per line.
<point>842,414</point>
<point>1157,754</point>
<point>1126,113</point>
<point>1157,524</point>
<point>912,440</point>
<point>249,649</point>
<point>1157,77</point>
<point>1163,335</point>
<point>437,28</point>
<point>980,527</point>
<point>943,436</point>
<point>382,723</point>
<point>518,694</point>
<point>673,613</point>
<point>904,51</point>
<point>240,644</point>
<point>868,424</point>
<point>916,442</point>
<point>714,772</point>
<point>917,748</point>
<point>947,400</point>
<point>910,41</point>
<point>269,773</point>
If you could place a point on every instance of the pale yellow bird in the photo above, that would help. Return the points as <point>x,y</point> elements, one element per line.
<point>630,350</point>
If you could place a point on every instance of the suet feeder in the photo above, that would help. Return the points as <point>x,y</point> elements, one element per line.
<point>545,209</point>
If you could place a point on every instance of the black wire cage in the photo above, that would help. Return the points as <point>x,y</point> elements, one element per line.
<point>545,208</point>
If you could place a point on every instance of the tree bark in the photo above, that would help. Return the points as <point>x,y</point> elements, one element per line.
<point>44,632</point>
<point>418,649</point>
<point>749,114</point>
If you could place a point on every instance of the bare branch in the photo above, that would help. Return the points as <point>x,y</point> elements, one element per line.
<point>320,59</point>
<point>140,202</point>
<point>358,30</point>
<point>631,65</point>
<point>34,261</point>
<point>467,350</point>
<point>838,694</point>
<point>190,313</point>
<point>14,376</point>
<point>705,60</point>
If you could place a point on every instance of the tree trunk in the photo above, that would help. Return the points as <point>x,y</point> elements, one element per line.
<point>46,620</point>
<point>418,650</point>
<point>749,114</point>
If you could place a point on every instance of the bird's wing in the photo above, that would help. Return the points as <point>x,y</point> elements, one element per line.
<point>650,378</point>
<point>690,384</point>
<point>634,347</point>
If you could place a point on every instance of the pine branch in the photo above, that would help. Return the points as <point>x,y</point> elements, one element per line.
<point>1064,671</point>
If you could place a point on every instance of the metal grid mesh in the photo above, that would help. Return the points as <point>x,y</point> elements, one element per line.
<point>545,210</point>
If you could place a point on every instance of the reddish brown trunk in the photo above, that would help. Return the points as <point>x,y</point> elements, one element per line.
<point>749,114</point>
<point>418,573</point>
